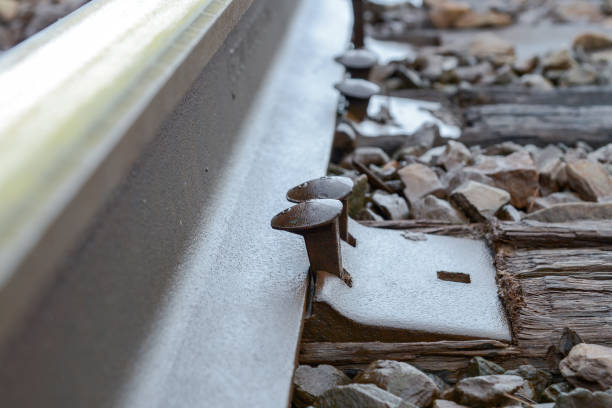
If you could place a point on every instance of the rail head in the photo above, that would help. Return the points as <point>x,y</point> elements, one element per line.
<point>79,102</point>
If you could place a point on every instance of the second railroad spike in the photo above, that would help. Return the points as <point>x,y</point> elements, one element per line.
<point>357,93</point>
<point>358,62</point>
<point>317,222</point>
<point>336,188</point>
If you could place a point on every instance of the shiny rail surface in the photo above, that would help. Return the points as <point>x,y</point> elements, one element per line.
<point>79,102</point>
<point>138,179</point>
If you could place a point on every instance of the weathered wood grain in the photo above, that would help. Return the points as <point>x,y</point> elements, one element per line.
<point>448,357</point>
<point>431,227</point>
<point>533,234</point>
<point>537,124</point>
<point>576,96</point>
<point>553,276</point>
<point>426,94</point>
<point>418,37</point>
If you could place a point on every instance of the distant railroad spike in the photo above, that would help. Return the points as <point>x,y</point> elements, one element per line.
<point>317,222</point>
<point>357,93</point>
<point>358,26</point>
<point>358,62</point>
<point>336,188</point>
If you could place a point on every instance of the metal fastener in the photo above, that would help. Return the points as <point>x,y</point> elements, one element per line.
<point>357,37</point>
<point>358,62</point>
<point>317,222</point>
<point>337,188</point>
<point>357,93</point>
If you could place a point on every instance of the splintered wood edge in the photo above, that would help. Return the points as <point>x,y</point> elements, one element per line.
<point>431,227</point>
<point>450,357</point>
<point>534,234</point>
<point>541,263</point>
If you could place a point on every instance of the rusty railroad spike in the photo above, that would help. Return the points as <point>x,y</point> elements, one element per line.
<point>317,222</point>
<point>337,188</point>
<point>357,93</point>
<point>358,25</point>
<point>358,62</point>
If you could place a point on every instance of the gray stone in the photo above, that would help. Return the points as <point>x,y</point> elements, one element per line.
<point>588,366</point>
<point>409,153</point>
<point>447,404</point>
<point>371,155</point>
<point>536,380</point>
<point>558,60</point>
<point>539,203</point>
<point>603,154</point>
<point>488,46</point>
<point>589,179</point>
<point>391,206</point>
<point>428,134</point>
<point>445,14</point>
<point>479,201</point>
<point>575,153</point>
<point>551,168</point>
<point>526,66</point>
<point>552,392</point>
<point>568,340</point>
<point>311,382</point>
<point>515,173</point>
<point>584,146</point>
<point>603,60</point>
<point>553,176</point>
<point>431,156</point>
<point>369,133</point>
<point>401,379</point>
<point>459,176</point>
<point>572,212</point>
<point>544,157</point>
<point>579,76</point>
<point>473,73</point>
<point>483,19</point>
<point>455,155</point>
<point>423,139</point>
<point>532,149</point>
<point>504,76</point>
<point>479,366</point>
<point>433,208</point>
<point>360,395</point>
<point>581,398</point>
<point>437,67</point>
<point>591,41</point>
<point>395,186</point>
<point>8,10</point>
<point>440,383</point>
<point>536,81</point>
<point>487,390</point>
<point>385,173</point>
<point>420,180</point>
<point>509,213</point>
<point>335,170</point>
<point>410,78</point>
<point>554,75</point>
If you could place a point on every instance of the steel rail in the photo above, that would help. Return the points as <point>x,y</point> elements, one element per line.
<point>79,102</point>
<point>160,282</point>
